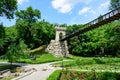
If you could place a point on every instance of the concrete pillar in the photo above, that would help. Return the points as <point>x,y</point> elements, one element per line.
<point>59,30</point>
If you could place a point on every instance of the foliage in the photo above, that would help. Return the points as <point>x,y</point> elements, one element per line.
<point>71,75</point>
<point>28,15</point>
<point>15,51</point>
<point>114,4</point>
<point>7,8</point>
<point>2,35</point>
<point>44,32</point>
<point>9,37</point>
<point>34,33</point>
<point>97,42</point>
<point>2,31</point>
<point>55,75</point>
<point>25,24</point>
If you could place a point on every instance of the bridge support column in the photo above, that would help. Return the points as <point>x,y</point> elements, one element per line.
<point>57,48</point>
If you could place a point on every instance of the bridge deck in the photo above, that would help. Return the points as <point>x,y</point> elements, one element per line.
<point>106,18</point>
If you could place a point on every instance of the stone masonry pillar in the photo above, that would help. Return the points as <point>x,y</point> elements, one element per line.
<point>57,48</point>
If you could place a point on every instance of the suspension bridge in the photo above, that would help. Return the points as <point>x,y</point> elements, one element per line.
<point>104,19</point>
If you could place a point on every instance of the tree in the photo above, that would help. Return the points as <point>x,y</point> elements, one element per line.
<point>7,8</point>
<point>26,23</point>
<point>114,4</point>
<point>2,31</point>
<point>28,15</point>
<point>16,51</point>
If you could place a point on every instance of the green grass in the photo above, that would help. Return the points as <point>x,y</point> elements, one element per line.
<point>3,60</point>
<point>91,63</point>
<point>8,78</point>
<point>77,75</point>
<point>44,58</point>
<point>55,75</point>
<point>41,57</point>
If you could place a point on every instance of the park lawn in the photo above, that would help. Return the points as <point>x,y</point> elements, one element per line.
<point>55,75</point>
<point>3,60</point>
<point>44,58</point>
<point>91,63</point>
<point>41,57</point>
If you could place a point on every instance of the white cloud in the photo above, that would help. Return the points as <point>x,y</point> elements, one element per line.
<point>65,6</point>
<point>105,5</point>
<point>86,10</point>
<point>20,2</point>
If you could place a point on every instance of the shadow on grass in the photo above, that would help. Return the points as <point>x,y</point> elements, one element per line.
<point>98,60</point>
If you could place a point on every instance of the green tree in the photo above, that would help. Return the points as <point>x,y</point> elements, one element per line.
<point>26,23</point>
<point>9,36</point>
<point>7,8</point>
<point>16,51</point>
<point>28,15</point>
<point>2,31</point>
<point>113,38</point>
<point>44,32</point>
<point>114,4</point>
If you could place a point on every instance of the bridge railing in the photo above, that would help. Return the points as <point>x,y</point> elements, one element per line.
<point>94,22</point>
<point>103,17</point>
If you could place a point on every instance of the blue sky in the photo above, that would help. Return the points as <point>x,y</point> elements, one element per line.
<point>64,11</point>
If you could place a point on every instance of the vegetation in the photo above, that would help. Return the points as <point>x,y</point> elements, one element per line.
<point>114,4</point>
<point>99,47</point>
<point>55,75</point>
<point>77,75</point>
<point>91,63</point>
<point>35,56</point>
<point>87,68</point>
<point>30,32</point>
<point>102,41</point>
<point>44,58</point>
<point>9,78</point>
<point>7,8</point>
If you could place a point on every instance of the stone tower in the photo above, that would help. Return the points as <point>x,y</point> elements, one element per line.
<point>57,48</point>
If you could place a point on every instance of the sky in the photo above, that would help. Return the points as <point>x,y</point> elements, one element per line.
<point>64,11</point>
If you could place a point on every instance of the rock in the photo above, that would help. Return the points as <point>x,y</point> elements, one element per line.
<point>7,74</point>
<point>1,76</point>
